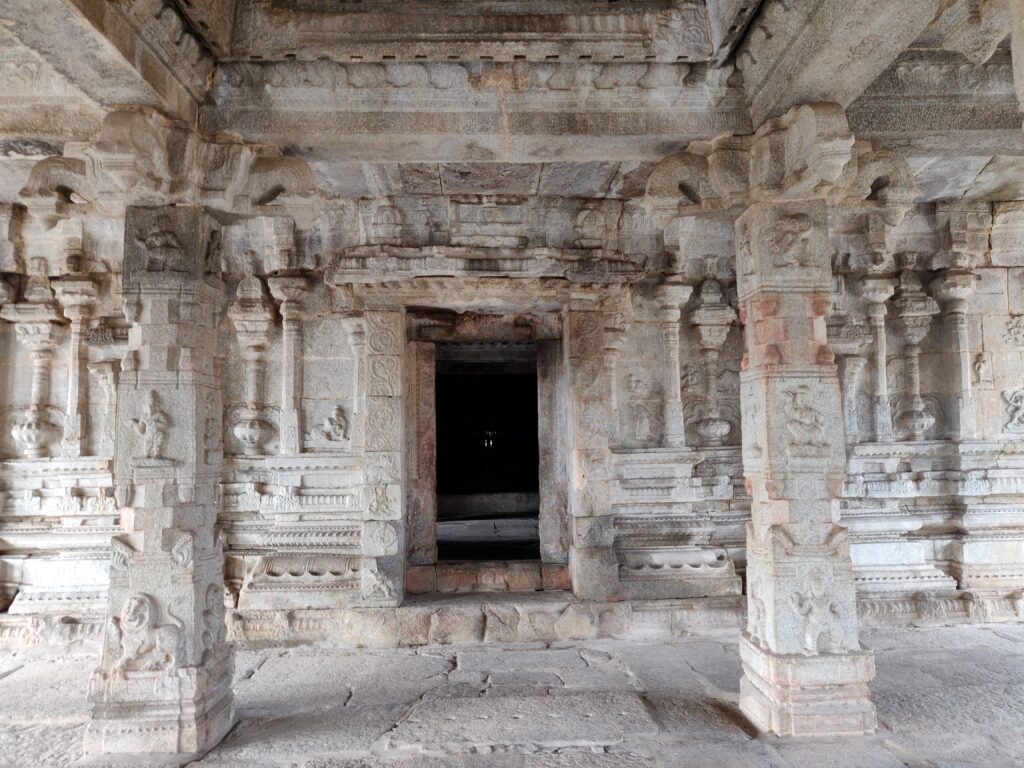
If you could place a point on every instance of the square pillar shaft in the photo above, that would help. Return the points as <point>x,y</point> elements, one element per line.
<point>804,672</point>
<point>163,686</point>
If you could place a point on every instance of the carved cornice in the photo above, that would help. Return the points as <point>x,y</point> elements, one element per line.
<point>669,30</point>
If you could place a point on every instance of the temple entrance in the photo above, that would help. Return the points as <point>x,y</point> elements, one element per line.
<point>488,499</point>
<point>486,441</point>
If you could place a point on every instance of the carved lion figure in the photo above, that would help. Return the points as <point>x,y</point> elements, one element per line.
<point>145,646</point>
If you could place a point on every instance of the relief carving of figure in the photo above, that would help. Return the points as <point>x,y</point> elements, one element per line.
<point>333,429</point>
<point>145,646</point>
<point>822,629</point>
<point>214,631</point>
<point>152,427</point>
<point>1014,410</point>
<point>164,251</point>
<point>806,425</point>
<point>791,240</point>
<point>757,612</point>
<point>982,369</point>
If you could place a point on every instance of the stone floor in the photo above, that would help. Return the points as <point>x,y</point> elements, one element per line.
<point>946,697</point>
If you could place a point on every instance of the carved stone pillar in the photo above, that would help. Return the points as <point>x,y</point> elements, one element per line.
<point>163,685</point>
<point>289,290</point>
<point>35,327</point>
<point>876,291</point>
<point>592,559</point>
<point>712,320</point>
<point>76,297</point>
<point>804,672</point>
<point>915,310</point>
<point>252,318</point>
<point>383,509</point>
<point>953,288</point>
<point>671,297</point>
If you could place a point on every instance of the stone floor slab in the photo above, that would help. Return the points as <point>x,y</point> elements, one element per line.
<point>945,699</point>
<point>459,725</point>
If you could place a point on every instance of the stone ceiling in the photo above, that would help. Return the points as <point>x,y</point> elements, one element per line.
<point>574,98</point>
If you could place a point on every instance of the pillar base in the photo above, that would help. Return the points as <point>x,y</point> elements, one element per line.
<point>796,695</point>
<point>160,718</point>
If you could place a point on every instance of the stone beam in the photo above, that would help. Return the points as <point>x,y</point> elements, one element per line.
<point>131,53</point>
<point>934,102</point>
<point>824,50</point>
<point>451,111</point>
<point>660,30</point>
<point>213,21</point>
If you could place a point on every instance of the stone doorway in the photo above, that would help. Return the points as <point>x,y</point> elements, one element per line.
<point>488,499</point>
<point>486,456</point>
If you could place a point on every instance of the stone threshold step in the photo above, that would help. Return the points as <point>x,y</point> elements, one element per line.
<point>486,576</point>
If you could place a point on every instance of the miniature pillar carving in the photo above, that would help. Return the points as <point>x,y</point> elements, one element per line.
<point>803,670</point>
<point>671,297</point>
<point>915,310</point>
<point>953,288</point>
<point>876,292</point>
<point>35,327</point>
<point>712,320</point>
<point>76,296</point>
<point>289,290</point>
<point>163,685</point>
<point>252,317</point>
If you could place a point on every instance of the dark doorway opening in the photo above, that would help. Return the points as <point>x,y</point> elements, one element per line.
<point>487,455</point>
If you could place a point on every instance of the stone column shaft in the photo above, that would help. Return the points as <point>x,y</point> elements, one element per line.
<point>163,685</point>
<point>877,291</point>
<point>288,291</point>
<point>671,298</point>
<point>804,672</point>
<point>953,288</point>
<point>76,296</point>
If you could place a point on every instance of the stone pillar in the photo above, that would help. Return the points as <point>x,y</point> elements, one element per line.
<point>914,310</point>
<point>163,686</point>
<point>35,327</point>
<point>592,560</point>
<point>383,564</point>
<point>671,297</point>
<point>76,297</point>
<point>876,291</point>
<point>953,288</point>
<point>804,672</point>
<point>289,290</point>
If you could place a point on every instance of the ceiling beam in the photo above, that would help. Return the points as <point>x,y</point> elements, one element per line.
<point>824,50</point>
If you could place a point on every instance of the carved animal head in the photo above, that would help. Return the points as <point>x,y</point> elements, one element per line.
<point>137,614</point>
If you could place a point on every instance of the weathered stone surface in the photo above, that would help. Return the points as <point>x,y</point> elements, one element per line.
<point>569,720</point>
<point>765,258</point>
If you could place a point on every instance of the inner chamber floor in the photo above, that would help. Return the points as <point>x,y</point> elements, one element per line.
<point>946,697</point>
